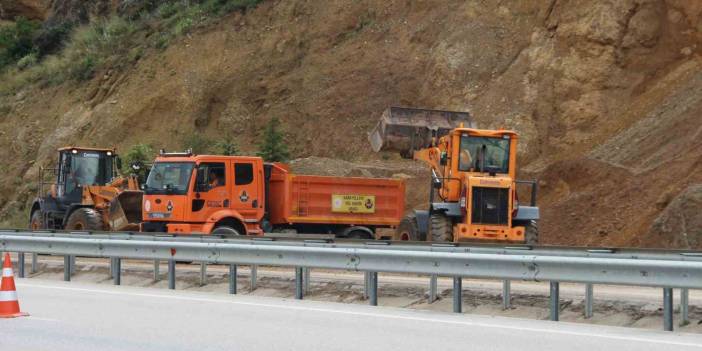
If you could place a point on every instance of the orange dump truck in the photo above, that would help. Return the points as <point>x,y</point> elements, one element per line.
<point>237,195</point>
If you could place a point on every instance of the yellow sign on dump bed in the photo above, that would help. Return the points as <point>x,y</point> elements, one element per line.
<point>353,203</point>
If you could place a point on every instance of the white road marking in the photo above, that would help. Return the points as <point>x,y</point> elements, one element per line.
<point>376,315</point>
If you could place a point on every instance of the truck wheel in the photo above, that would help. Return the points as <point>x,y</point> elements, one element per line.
<point>37,222</point>
<point>441,228</point>
<point>225,231</point>
<point>85,219</point>
<point>408,230</point>
<point>531,233</point>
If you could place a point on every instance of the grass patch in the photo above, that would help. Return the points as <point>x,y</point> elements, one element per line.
<point>29,55</point>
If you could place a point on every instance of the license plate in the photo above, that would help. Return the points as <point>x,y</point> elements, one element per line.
<point>159,215</point>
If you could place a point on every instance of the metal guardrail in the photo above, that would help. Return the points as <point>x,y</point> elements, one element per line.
<point>654,268</point>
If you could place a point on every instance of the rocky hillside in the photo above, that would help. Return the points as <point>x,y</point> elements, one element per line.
<point>607,96</point>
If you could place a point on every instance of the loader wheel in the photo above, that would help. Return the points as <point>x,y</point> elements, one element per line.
<point>225,231</point>
<point>85,219</point>
<point>531,233</point>
<point>441,228</point>
<point>408,230</point>
<point>37,222</point>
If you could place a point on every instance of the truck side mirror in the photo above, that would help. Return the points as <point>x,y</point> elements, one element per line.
<point>443,159</point>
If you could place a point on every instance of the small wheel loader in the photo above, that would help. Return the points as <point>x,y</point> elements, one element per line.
<point>473,187</point>
<point>86,193</point>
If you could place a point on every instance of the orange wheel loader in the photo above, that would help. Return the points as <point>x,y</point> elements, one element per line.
<point>474,188</point>
<point>86,193</point>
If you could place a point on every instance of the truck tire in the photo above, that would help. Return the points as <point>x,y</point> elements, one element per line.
<point>531,233</point>
<point>36,222</point>
<point>85,219</point>
<point>408,230</point>
<point>441,228</point>
<point>225,231</point>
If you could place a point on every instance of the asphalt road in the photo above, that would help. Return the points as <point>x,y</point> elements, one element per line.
<point>73,316</point>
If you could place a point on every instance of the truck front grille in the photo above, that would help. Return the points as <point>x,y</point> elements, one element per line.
<point>490,206</point>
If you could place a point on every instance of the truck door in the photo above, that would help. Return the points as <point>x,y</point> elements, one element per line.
<point>211,190</point>
<point>247,197</point>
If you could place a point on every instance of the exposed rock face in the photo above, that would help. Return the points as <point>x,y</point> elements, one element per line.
<point>605,94</point>
<point>680,224</point>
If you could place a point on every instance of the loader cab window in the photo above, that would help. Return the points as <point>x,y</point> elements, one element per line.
<point>210,176</point>
<point>483,154</point>
<point>169,178</point>
<point>85,168</point>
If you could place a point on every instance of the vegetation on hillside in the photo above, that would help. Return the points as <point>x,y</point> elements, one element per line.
<point>273,147</point>
<point>52,54</point>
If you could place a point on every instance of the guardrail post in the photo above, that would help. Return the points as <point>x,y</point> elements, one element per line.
<point>157,266</point>
<point>232,279</point>
<point>554,301</point>
<point>373,288</point>
<point>366,285</point>
<point>457,294</point>
<point>684,308</point>
<point>298,283</point>
<point>171,274</point>
<point>254,273</point>
<point>117,271</point>
<point>306,279</point>
<point>589,292</point>
<point>506,294</point>
<point>20,264</point>
<point>67,268</point>
<point>203,273</point>
<point>432,287</point>
<point>668,309</point>
<point>35,264</point>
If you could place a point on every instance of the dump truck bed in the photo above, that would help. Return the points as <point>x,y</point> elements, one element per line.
<point>307,199</point>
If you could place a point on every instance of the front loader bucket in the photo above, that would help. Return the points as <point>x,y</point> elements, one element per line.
<point>125,210</point>
<point>404,129</point>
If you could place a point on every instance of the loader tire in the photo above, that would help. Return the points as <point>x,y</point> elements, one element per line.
<point>36,222</point>
<point>441,228</point>
<point>225,231</point>
<point>85,219</point>
<point>408,230</point>
<point>531,233</point>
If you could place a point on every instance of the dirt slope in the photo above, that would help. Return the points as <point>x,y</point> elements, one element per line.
<point>606,95</point>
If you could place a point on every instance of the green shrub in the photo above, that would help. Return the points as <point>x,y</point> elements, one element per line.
<point>16,41</point>
<point>140,154</point>
<point>27,61</point>
<point>83,69</point>
<point>272,147</point>
<point>227,147</point>
<point>198,143</point>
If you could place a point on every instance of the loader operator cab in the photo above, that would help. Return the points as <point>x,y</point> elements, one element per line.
<point>83,167</point>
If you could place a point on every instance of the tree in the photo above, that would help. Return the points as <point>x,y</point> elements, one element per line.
<point>272,147</point>
<point>227,147</point>
<point>139,154</point>
<point>198,143</point>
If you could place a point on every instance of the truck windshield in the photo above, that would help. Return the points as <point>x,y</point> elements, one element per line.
<point>483,154</point>
<point>169,178</point>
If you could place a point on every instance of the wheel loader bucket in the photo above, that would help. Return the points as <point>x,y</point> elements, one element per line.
<point>125,210</point>
<point>404,129</point>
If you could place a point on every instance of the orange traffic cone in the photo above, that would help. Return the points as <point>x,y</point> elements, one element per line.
<point>9,305</point>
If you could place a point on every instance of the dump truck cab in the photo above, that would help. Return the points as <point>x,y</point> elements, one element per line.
<point>188,193</point>
<point>473,181</point>
<point>85,192</point>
